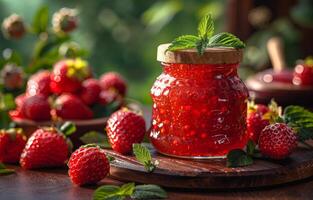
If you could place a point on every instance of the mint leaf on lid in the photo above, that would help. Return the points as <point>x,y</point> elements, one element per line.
<point>206,38</point>
<point>143,155</point>
<point>225,40</point>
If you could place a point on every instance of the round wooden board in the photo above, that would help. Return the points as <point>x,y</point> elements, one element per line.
<point>213,174</point>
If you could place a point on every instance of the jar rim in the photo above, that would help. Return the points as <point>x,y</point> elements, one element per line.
<point>216,55</point>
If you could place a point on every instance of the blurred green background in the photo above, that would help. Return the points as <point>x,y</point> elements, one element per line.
<point>123,35</point>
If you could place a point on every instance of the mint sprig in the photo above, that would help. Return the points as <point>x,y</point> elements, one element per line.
<point>143,155</point>
<point>129,190</point>
<point>206,38</point>
<point>241,158</point>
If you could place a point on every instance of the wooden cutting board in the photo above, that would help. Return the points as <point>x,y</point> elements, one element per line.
<point>213,174</point>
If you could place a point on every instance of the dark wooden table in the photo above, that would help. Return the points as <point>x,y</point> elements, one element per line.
<point>55,185</point>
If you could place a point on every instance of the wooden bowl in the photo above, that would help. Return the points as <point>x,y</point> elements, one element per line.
<point>82,126</point>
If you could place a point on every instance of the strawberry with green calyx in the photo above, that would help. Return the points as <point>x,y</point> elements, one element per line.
<point>47,147</point>
<point>259,116</point>
<point>12,143</point>
<point>68,106</point>
<point>124,128</point>
<point>67,75</point>
<point>88,165</point>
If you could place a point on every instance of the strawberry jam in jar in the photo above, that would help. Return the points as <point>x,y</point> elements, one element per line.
<point>199,103</point>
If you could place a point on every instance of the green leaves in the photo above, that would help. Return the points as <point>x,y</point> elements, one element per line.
<point>206,27</point>
<point>206,38</point>
<point>301,120</point>
<point>112,192</point>
<point>184,42</point>
<point>143,155</point>
<point>41,20</point>
<point>5,171</point>
<point>94,137</point>
<point>68,128</point>
<point>238,158</point>
<point>225,40</point>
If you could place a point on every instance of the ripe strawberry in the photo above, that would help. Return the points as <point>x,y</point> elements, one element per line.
<point>36,108</point>
<point>124,128</point>
<point>12,143</point>
<point>20,99</point>
<point>88,165</point>
<point>67,75</point>
<point>108,96</point>
<point>113,80</point>
<point>277,141</point>
<point>39,83</point>
<point>255,121</point>
<point>303,75</point>
<point>90,91</point>
<point>68,106</point>
<point>45,148</point>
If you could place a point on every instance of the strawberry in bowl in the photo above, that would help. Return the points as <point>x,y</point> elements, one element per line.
<point>303,73</point>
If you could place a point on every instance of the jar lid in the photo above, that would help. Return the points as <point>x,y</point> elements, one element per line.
<point>216,55</point>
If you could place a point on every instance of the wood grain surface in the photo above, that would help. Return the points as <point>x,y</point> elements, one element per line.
<point>213,174</point>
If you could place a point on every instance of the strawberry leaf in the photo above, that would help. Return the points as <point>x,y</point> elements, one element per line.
<point>238,158</point>
<point>301,120</point>
<point>68,128</point>
<point>94,137</point>
<point>143,155</point>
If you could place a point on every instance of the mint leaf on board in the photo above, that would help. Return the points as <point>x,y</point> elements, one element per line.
<point>184,42</point>
<point>112,192</point>
<point>206,27</point>
<point>238,158</point>
<point>143,155</point>
<point>149,192</point>
<point>94,137</point>
<point>5,171</point>
<point>68,128</point>
<point>225,40</point>
<point>301,120</point>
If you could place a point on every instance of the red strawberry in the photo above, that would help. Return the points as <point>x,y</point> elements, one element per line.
<point>277,141</point>
<point>39,83</point>
<point>67,75</point>
<point>45,148</point>
<point>20,99</point>
<point>124,128</point>
<point>90,91</point>
<point>12,143</point>
<point>303,75</point>
<point>113,80</point>
<point>255,121</point>
<point>108,96</point>
<point>88,165</point>
<point>36,108</point>
<point>68,106</point>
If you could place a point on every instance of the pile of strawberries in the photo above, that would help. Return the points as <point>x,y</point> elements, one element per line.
<point>275,139</point>
<point>67,92</point>
<point>48,147</point>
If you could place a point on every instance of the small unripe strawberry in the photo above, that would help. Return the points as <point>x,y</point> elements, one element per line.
<point>13,27</point>
<point>65,20</point>
<point>12,77</point>
<point>277,141</point>
<point>124,128</point>
<point>88,165</point>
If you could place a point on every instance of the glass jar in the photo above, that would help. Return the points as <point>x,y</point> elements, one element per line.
<point>199,103</point>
